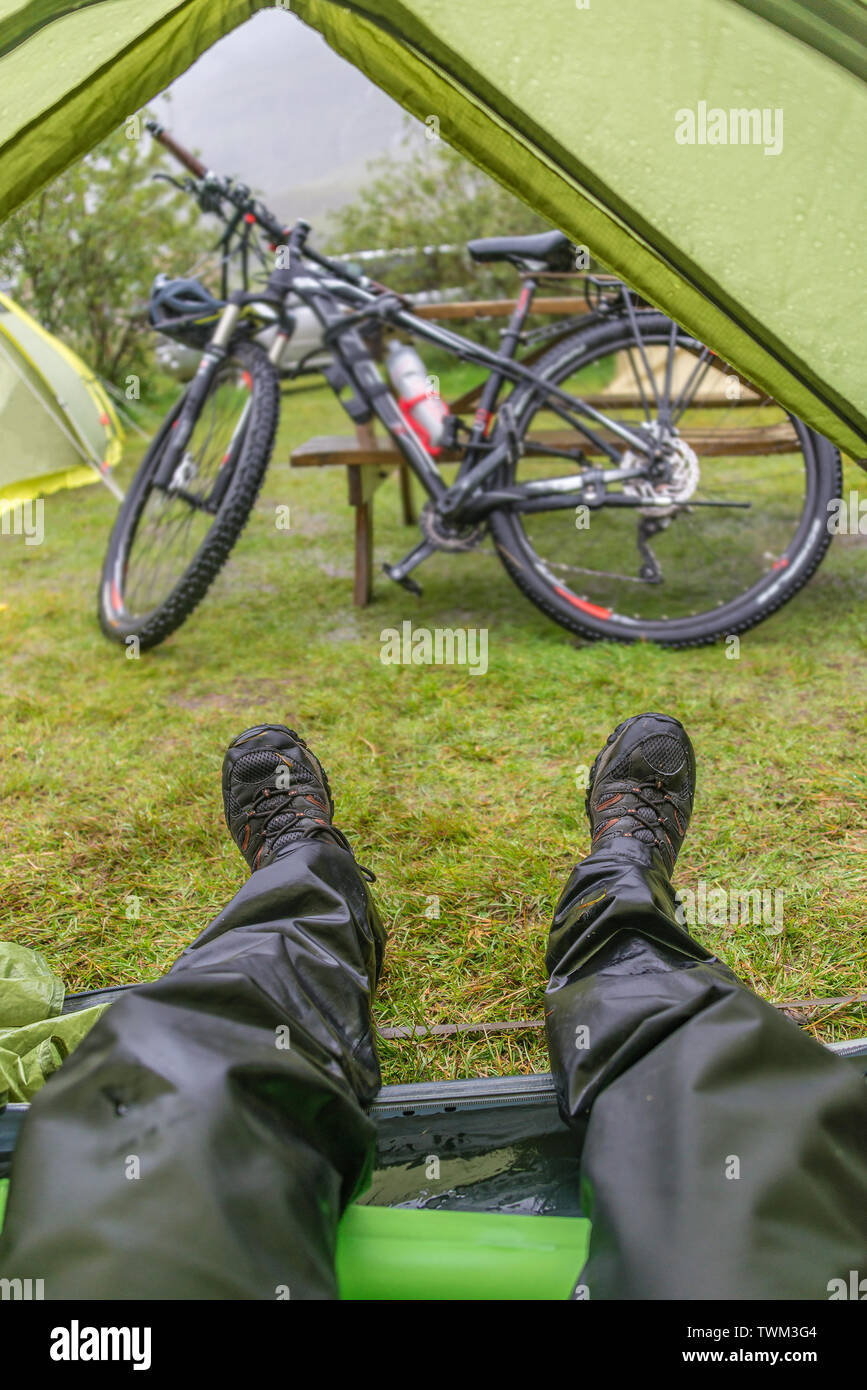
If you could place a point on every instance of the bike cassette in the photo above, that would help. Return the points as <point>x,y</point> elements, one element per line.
<point>444,536</point>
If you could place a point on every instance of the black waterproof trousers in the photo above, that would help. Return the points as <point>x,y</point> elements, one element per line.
<point>205,1137</point>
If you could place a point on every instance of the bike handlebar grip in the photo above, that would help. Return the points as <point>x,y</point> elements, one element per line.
<point>189,161</point>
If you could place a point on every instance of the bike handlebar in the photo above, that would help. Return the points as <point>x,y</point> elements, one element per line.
<point>296,238</point>
<point>210,187</point>
<point>189,161</point>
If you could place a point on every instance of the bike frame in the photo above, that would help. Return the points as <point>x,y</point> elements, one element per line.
<point>467,499</point>
<point>330,289</point>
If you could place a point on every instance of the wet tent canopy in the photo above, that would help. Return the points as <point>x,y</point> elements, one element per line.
<point>712,152</point>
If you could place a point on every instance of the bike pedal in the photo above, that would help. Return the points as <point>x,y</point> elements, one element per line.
<point>393,572</point>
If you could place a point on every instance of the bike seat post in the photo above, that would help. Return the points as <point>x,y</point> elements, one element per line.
<point>486,409</point>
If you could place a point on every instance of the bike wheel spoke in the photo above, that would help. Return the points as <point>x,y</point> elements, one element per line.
<point>640,384</point>
<point>664,411</point>
<point>636,331</point>
<point>693,384</point>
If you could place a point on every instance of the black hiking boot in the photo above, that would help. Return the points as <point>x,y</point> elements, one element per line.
<point>642,785</point>
<point>276,793</point>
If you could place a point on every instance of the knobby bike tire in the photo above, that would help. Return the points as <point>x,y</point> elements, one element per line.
<point>825,479</point>
<point>153,627</point>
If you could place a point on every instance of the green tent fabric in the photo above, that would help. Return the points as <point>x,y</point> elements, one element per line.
<point>58,427</point>
<point>34,1035</point>
<point>629,126</point>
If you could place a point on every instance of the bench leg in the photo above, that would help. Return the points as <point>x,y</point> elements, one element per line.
<point>366,436</point>
<point>363,589</point>
<point>363,483</point>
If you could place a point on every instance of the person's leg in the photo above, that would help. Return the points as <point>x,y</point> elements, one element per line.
<point>724,1152</point>
<point>205,1137</point>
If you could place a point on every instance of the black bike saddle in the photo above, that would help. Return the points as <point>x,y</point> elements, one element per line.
<point>551,250</point>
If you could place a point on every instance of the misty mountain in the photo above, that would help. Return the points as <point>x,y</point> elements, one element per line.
<point>274,105</point>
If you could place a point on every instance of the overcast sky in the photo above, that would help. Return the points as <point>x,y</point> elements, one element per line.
<point>274,105</point>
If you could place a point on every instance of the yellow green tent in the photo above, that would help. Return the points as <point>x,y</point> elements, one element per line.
<point>709,151</point>
<point>57,426</point>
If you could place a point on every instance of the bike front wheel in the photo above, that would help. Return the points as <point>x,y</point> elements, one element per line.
<point>168,543</point>
<point>733,525</point>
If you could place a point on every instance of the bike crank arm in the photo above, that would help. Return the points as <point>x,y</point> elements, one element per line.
<point>400,572</point>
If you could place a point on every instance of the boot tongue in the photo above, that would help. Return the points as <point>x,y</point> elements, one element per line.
<point>291,789</point>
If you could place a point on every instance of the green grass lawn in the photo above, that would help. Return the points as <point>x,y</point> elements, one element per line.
<point>451,786</point>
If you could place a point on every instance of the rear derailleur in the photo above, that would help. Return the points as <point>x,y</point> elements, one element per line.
<point>649,570</point>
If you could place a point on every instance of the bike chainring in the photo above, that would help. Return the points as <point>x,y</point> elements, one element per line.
<point>446,536</point>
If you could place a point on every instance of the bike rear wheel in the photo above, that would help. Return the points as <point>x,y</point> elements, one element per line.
<point>720,569</point>
<point>167,545</point>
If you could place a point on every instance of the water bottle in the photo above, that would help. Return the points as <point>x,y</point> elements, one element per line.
<point>421,407</point>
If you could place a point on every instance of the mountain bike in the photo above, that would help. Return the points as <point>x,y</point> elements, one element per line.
<point>633,486</point>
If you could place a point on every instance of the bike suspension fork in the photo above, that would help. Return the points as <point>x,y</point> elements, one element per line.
<point>197,390</point>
